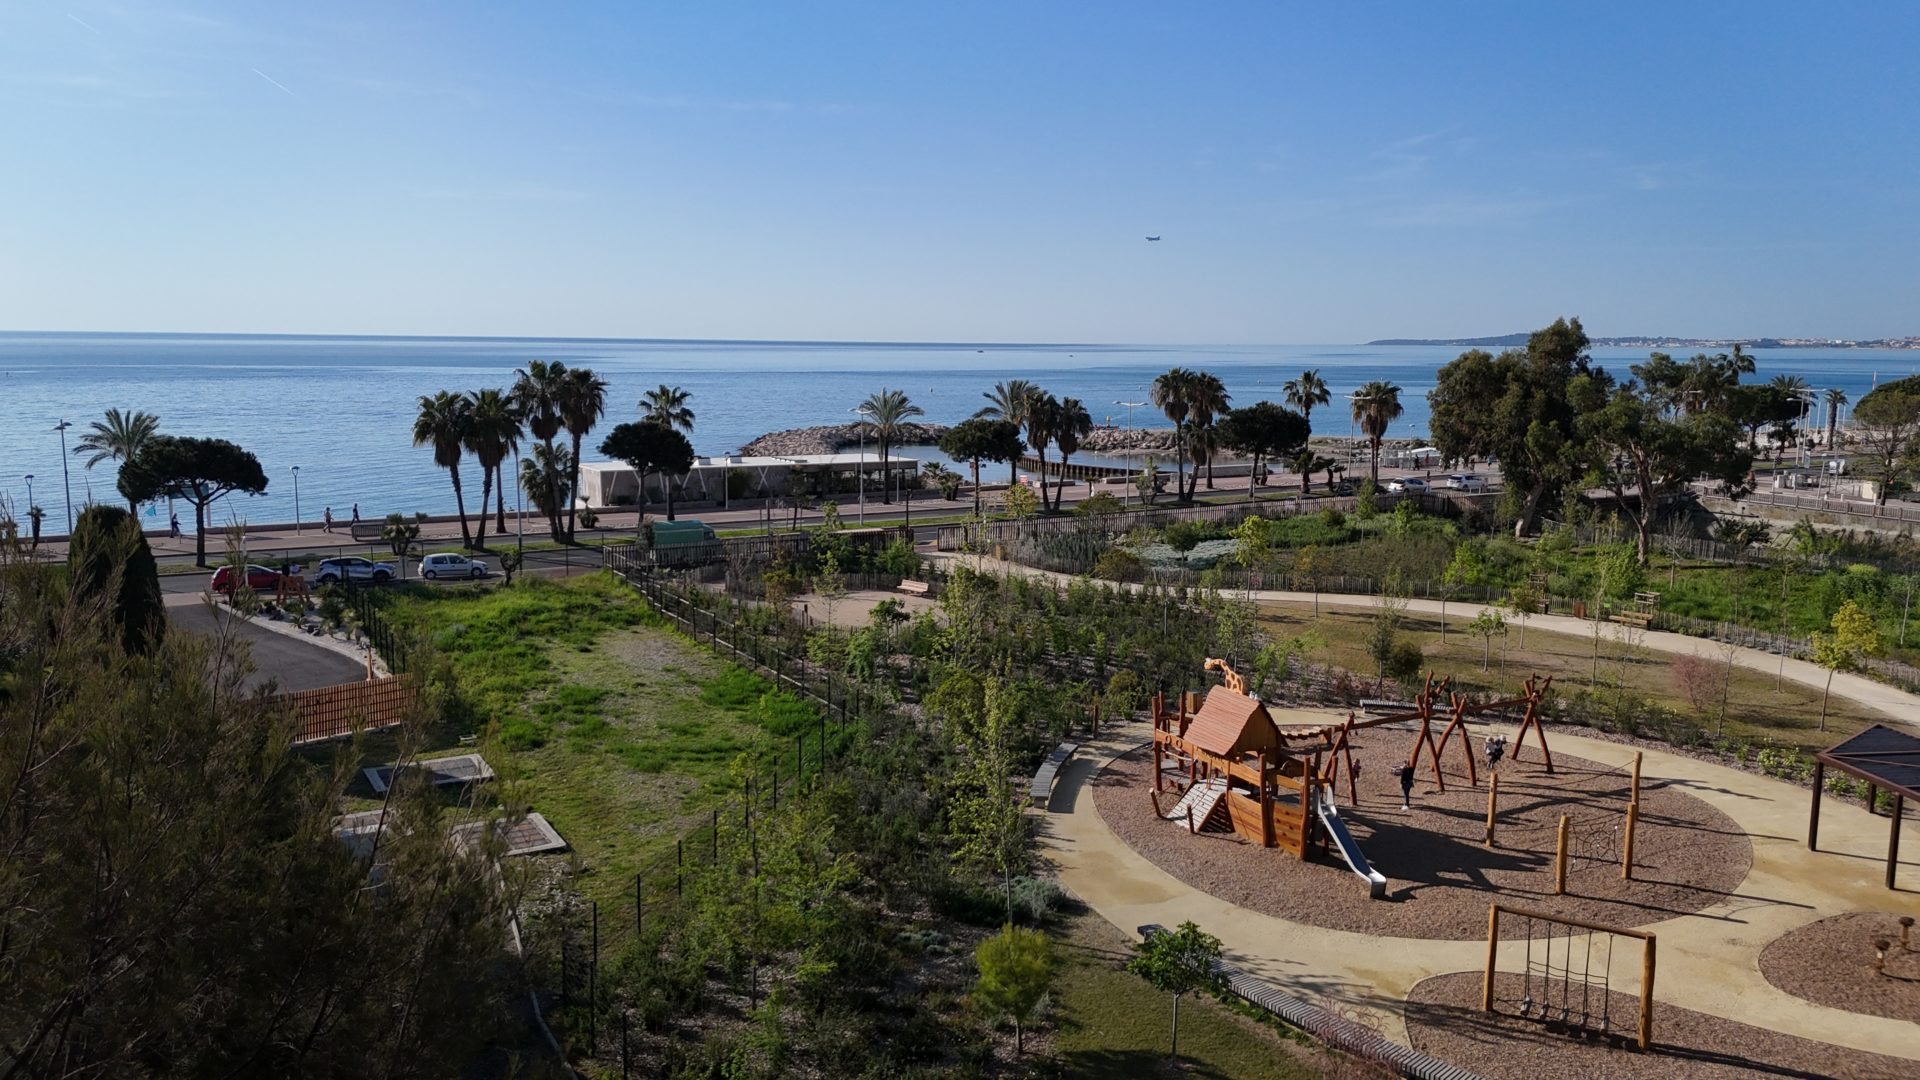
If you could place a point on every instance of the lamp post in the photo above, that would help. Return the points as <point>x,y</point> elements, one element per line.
<point>66,477</point>
<point>519,505</point>
<point>29,479</point>
<point>1131,405</point>
<point>862,410</point>
<point>295,470</point>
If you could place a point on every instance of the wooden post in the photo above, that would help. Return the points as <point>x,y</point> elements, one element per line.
<point>1893,837</point>
<point>1813,816</point>
<point>1493,798</point>
<point>1560,860</point>
<point>1646,994</point>
<point>1626,842</point>
<point>1634,795</point>
<point>1873,793</point>
<point>1493,943</point>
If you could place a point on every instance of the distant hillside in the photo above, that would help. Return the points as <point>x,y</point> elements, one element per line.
<point>1508,341</point>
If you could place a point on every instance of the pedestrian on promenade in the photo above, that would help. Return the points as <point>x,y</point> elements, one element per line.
<point>326,520</point>
<point>173,525</point>
<point>356,514</point>
<point>1406,786</point>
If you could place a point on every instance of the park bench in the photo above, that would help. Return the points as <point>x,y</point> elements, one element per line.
<point>1383,707</point>
<point>1042,787</point>
<point>915,588</point>
<point>1639,620</point>
<point>367,532</point>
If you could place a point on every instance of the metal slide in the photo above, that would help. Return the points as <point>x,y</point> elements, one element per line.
<point>1349,847</point>
<point>1202,797</point>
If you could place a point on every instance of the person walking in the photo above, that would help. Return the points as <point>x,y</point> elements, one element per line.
<point>356,514</point>
<point>326,520</point>
<point>1406,786</point>
<point>173,525</point>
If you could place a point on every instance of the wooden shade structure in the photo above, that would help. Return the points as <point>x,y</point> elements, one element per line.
<point>1884,758</point>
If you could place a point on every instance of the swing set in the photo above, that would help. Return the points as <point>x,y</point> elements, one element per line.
<point>1550,972</point>
<point>1459,708</point>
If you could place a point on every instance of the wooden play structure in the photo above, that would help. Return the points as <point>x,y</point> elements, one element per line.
<point>1233,767</point>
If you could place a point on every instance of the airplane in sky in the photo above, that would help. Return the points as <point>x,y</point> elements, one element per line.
<point>1154,238</point>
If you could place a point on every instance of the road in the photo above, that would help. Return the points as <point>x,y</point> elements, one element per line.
<point>287,662</point>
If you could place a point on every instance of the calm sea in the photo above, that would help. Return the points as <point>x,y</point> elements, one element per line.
<point>341,408</point>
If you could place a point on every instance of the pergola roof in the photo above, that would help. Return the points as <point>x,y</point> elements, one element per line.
<point>1882,756</point>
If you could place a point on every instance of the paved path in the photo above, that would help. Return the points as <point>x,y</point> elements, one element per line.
<point>1708,961</point>
<point>1895,704</point>
<point>287,661</point>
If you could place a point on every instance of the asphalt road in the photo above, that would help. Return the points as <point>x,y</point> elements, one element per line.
<point>291,664</point>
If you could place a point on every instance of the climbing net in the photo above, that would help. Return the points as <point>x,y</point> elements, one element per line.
<point>1567,973</point>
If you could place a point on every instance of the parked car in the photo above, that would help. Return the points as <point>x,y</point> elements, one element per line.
<point>353,568</point>
<point>1406,485</point>
<point>451,565</point>
<point>1466,482</point>
<point>259,578</point>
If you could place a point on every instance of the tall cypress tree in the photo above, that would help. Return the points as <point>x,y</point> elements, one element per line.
<point>109,554</point>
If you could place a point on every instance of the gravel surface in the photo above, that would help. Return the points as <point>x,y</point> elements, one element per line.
<point>1441,877</point>
<point>1830,962</point>
<point>1444,1019</point>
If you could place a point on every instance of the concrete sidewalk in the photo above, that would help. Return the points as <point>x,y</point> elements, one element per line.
<point>1708,961</point>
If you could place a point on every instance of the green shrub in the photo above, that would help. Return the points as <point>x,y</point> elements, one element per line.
<point>1119,564</point>
<point>1184,535</point>
<point>1404,660</point>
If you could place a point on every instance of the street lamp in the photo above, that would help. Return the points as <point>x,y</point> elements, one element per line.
<point>863,411</point>
<point>29,479</point>
<point>66,478</point>
<point>1131,405</point>
<point>295,470</point>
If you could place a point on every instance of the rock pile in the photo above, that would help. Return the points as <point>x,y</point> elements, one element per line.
<point>833,438</point>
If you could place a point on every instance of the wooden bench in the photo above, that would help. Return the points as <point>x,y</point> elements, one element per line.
<point>915,588</point>
<point>1042,788</point>
<point>1375,705</point>
<point>1639,620</point>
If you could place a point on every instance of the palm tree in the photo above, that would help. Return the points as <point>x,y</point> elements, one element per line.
<point>542,472</point>
<point>1836,398</point>
<point>443,423</point>
<point>1376,405</point>
<point>1305,392</point>
<point>1071,424</point>
<point>1043,419</point>
<point>1207,401</point>
<point>493,431</point>
<point>120,437</point>
<point>537,392</point>
<point>885,414</point>
<point>1172,394</point>
<point>583,401</point>
<point>1008,401</point>
<point>667,405</point>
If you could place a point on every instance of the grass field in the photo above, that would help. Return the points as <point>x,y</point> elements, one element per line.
<point>1107,1023</point>
<point>1756,710</point>
<point>620,731</point>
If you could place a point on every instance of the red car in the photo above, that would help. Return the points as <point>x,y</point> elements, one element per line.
<point>259,578</point>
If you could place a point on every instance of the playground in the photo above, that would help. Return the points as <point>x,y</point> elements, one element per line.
<point>1284,831</point>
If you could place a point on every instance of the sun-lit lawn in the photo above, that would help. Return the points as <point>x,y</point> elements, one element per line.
<point>1108,1023</point>
<point>1756,709</point>
<point>618,730</point>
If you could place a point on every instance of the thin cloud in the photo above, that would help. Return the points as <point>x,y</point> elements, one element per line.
<point>85,24</point>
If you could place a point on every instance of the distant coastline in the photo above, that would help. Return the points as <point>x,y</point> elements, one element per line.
<point>1507,341</point>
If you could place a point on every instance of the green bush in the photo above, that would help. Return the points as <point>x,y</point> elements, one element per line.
<point>1185,535</point>
<point>1119,564</point>
<point>1404,660</point>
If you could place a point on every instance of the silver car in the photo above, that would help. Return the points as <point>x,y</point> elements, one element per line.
<point>449,565</point>
<point>353,568</point>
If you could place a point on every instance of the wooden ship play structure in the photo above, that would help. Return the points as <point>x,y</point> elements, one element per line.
<point>1231,766</point>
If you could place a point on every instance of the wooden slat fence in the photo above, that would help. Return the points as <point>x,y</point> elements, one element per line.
<point>335,712</point>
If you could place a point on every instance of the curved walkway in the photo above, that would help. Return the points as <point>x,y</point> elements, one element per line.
<point>1708,961</point>
<point>1895,704</point>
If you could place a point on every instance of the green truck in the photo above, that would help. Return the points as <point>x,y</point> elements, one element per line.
<point>682,543</point>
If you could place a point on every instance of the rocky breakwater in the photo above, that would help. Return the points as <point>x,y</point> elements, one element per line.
<point>1119,440</point>
<point>833,438</point>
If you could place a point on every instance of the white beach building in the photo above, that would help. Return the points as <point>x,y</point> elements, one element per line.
<point>607,484</point>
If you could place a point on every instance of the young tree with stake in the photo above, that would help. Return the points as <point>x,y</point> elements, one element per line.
<point>1178,962</point>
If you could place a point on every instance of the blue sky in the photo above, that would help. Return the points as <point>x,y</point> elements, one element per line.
<point>960,171</point>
